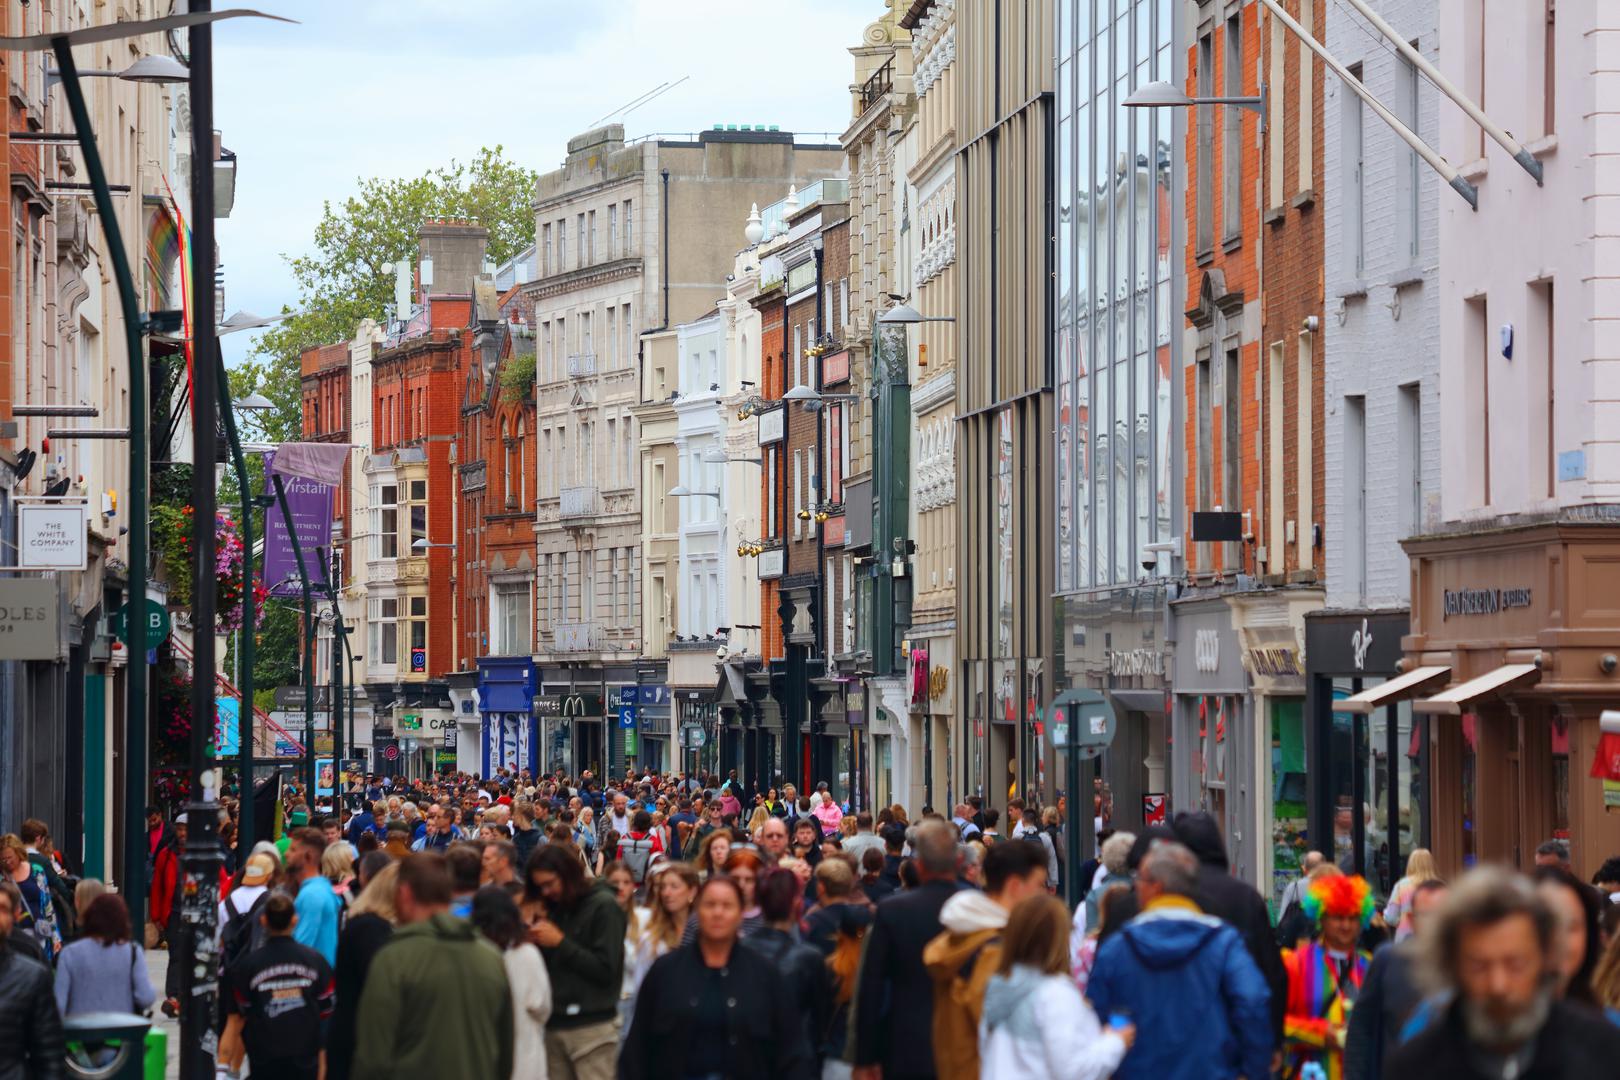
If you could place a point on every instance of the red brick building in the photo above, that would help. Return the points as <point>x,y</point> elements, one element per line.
<point>1253,438</point>
<point>325,382</point>
<point>496,488</point>
<point>773,513</point>
<point>419,379</point>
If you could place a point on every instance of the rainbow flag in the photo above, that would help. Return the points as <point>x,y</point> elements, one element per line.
<point>183,239</point>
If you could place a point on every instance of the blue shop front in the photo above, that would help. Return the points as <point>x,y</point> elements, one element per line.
<point>510,738</point>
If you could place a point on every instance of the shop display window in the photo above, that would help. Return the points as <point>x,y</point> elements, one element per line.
<point>1289,831</point>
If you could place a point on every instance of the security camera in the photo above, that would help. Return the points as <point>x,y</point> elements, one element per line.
<point>1310,324</point>
<point>1150,560</point>
<point>720,652</point>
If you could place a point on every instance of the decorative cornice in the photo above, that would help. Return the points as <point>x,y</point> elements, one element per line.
<point>596,274</point>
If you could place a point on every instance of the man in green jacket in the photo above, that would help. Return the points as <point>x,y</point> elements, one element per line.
<point>436,1002</point>
<point>583,944</point>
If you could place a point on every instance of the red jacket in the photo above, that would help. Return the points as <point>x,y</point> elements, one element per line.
<point>166,884</point>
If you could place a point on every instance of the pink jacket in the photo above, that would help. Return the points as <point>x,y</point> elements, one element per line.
<point>829,815</point>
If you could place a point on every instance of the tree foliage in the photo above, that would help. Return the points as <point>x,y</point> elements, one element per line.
<point>347,275</point>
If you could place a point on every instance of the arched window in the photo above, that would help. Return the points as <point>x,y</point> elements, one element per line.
<point>508,481</point>
<point>523,466</point>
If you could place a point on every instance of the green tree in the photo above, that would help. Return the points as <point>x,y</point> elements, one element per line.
<point>347,275</point>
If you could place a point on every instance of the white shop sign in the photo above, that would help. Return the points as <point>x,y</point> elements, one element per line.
<point>52,536</point>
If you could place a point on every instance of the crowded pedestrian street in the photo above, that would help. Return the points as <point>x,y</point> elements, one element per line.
<point>880,540</point>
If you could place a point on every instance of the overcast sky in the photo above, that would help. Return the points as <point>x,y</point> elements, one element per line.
<point>394,87</point>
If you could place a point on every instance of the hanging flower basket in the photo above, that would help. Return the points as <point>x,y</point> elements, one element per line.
<point>171,540</point>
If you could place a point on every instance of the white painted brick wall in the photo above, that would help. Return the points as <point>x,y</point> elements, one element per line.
<point>1368,350</point>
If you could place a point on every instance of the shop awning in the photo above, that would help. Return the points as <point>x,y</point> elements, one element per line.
<point>1456,700</point>
<point>1411,684</point>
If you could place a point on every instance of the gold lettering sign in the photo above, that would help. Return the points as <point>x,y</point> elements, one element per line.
<point>939,680</point>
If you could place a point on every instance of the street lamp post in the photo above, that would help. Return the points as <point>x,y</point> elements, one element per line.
<point>245,647</point>
<point>199,898</point>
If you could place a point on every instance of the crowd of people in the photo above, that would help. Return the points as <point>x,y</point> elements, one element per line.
<point>692,928</point>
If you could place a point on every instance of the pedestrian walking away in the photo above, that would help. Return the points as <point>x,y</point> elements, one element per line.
<point>1035,1023</point>
<point>278,999</point>
<point>436,1001</point>
<point>1185,980</point>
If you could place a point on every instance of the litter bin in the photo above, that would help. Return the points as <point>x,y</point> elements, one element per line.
<point>110,1046</point>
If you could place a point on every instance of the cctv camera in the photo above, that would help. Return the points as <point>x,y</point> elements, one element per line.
<point>1150,560</point>
<point>720,652</point>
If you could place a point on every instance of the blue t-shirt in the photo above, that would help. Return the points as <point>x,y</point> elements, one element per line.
<point>317,907</point>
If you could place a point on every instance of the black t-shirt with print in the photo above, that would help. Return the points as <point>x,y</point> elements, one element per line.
<point>284,993</point>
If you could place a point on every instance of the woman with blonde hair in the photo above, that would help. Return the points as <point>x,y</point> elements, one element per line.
<point>1034,1022</point>
<point>337,866</point>
<point>672,889</point>
<point>1420,867</point>
<point>756,822</point>
<point>1606,979</point>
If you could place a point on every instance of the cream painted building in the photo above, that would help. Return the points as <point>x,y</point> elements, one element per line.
<point>929,254</point>
<point>627,240</point>
<point>882,106</point>
<point>64,345</point>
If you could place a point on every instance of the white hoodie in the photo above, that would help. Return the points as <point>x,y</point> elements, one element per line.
<point>969,911</point>
<point>1038,1025</point>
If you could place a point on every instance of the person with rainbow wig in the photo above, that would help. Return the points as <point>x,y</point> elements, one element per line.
<point>1326,973</point>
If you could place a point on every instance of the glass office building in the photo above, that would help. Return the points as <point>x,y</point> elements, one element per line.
<point>1118,326</point>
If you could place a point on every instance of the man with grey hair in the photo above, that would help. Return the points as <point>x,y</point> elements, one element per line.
<point>1186,981</point>
<point>1492,947</point>
<point>894,995</point>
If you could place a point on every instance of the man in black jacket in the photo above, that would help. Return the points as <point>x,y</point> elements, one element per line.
<point>1494,945</point>
<point>30,1026</point>
<point>1237,904</point>
<point>1389,995</point>
<point>583,946</point>
<point>894,994</point>
<point>802,974</point>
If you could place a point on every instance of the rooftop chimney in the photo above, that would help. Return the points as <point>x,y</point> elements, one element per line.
<point>455,251</point>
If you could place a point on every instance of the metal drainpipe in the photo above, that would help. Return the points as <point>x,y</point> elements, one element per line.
<point>663,260</point>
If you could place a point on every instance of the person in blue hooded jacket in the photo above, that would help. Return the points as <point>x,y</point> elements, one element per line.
<point>1186,980</point>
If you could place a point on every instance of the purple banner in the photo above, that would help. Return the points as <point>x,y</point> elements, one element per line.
<point>310,504</point>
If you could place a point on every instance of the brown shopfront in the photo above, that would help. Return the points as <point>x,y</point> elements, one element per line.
<point>1512,657</point>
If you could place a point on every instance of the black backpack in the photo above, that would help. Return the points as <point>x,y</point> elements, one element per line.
<point>243,933</point>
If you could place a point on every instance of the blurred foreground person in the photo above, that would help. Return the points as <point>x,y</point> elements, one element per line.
<point>1494,948</point>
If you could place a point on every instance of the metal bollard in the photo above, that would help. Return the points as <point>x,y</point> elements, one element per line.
<point>106,1046</point>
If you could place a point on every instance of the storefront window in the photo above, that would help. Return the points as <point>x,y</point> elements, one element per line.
<point>840,769</point>
<point>1559,733</point>
<point>1288,805</point>
<point>882,770</point>
<point>1470,773</point>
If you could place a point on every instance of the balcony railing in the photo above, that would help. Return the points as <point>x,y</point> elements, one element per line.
<point>576,637</point>
<point>578,501</point>
<point>875,87</point>
<point>580,365</point>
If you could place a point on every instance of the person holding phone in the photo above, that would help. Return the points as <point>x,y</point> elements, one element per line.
<point>1035,1023</point>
